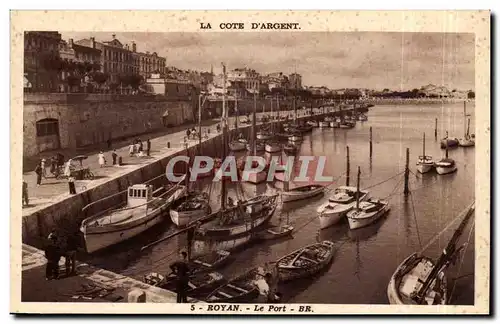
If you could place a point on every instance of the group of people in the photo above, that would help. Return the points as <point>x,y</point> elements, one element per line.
<point>137,148</point>
<point>57,247</point>
<point>191,133</point>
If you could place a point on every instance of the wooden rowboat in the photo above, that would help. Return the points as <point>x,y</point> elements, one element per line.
<point>302,192</point>
<point>199,283</point>
<point>276,232</point>
<point>241,289</point>
<point>209,261</point>
<point>306,261</point>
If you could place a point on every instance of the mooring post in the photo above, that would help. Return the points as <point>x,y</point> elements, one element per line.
<point>371,145</point>
<point>407,172</point>
<point>436,128</point>
<point>348,168</point>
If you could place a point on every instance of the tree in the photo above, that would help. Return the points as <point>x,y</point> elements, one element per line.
<point>99,77</point>
<point>471,95</point>
<point>72,81</point>
<point>135,81</point>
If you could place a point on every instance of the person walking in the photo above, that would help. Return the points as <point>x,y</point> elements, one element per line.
<point>188,133</point>
<point>67,168</point>
<point>53,165</point>
<point>148,146</point>
<point>38,171</point>
<point>114,156</point>
<point>25,193</point>
<point>140,146</point>
<point>52,254</point>
<point>102,159</point>
<point>71,185</point>
<point>181,270</point>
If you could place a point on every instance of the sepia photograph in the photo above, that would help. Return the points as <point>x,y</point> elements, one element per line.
<point>261,167</point>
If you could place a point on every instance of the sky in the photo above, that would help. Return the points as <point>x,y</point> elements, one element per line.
<point>374,60</point>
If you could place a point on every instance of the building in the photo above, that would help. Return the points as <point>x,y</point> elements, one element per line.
<point>434,91</point>
<point>41,56</point>
<point>116,58</point>
<point>248,78</point>
<point>295,81</point>
<point>78,60</point>
<point>172,88</point>
<point>276,80</point>
<point>148,63</point>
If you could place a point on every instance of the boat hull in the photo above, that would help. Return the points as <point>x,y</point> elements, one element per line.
<point>272,148</point>
<point>355,223</point>
<point>289,196</point>
<point>424,168</point>
<point>183,218</point>
<point>263,137</point>
<point>98,241</point>
<point>237,146</point>
<point>446,169</point>
<point>466,142</point>
<point>327,219</point>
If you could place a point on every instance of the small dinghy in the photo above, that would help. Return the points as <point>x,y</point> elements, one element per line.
<point>209,261</point>
<point>276,232</point>
<point>302,192</point>
<point>290,148</point>
<point>190,208</point>
<point>236,146</point>
<point>305,262</point>
<point>273,147</point>
<point>242,289</point>
<point>199,283</point>
<point>368,212</point>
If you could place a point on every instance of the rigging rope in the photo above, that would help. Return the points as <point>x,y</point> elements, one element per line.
<point>461,261</point>
<point>383,181</point>
<point>415,217</point>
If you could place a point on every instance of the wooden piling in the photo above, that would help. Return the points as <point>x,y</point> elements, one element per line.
<point>436,128</point>
<point>348,168</point>
<point>371,145</point>
<point>407,172</point>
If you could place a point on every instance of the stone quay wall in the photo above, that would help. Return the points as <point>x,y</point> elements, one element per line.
<point>85,120</point>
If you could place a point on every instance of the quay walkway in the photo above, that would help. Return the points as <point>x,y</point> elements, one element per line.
<point>54,190</point>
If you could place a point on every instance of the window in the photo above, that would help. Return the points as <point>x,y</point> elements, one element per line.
<point>47,127</point>
<point>131,192</point>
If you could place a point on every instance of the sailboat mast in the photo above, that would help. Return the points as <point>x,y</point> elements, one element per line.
<point>236,110</point>
<point>446,255</point>
<point>199,119</point>
<point>357,188</point>
<point>446,152</point>
<point>465,116</point>
<point>224,135</point>
<point>254,117</point>
<point>468,127</point>
<point>423,149</point>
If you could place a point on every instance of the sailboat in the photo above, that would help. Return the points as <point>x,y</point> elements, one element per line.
<point>446,165</point>
<point>419,280</point>
<point>239,144</point>
<point>425,162</point>
<point>263,134</point>
<point>468,140</point>
<point>366,212</point>
<point>236,224</point>
<point>338,205</point>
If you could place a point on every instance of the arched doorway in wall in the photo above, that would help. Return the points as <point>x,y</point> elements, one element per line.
<point>47,134</point>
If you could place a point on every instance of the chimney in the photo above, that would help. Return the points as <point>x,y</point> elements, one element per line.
<point>92,42</point>
<point>70,43</point>
<point>134,47</point>
<point>126,47</point>
<point>114,36</point>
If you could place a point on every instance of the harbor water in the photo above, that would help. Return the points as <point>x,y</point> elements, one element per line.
<point>365,258</point>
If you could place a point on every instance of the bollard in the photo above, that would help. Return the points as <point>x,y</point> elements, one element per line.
<point>168,144</point>
<point>120,160</point>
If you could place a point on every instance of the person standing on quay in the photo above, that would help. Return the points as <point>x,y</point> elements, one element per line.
<point>181,270</point>
<point>53,256</point>
<point>114,156</point>
<point>102,160</point>
<point>71,185</point>
<point>38,171</point>
<point>25,193</point>
<point>131,150</point>
<point>148,147</point>
<point>140,146</point>
<point>42,165</point>
<point>70,255</point>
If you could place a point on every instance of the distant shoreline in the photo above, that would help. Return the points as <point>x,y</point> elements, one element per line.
<point>400,101</point>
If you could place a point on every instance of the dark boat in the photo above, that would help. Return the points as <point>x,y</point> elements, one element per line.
<point>276,232</point>
<point>199,283</point>
<point>306,261</point>
<point>290,148</point>
<point>242,289</point>
<point>209,261</point>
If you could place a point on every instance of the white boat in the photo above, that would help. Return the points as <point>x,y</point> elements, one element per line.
<point>362,117</point>
<point>346,124</point>
<point>425,163</point>
<point>264,136</point>
<point>334,124</point>
<point>446,165</point>
<point>419,280</point>
<point>142,211</point>
<point>467,140</point>
<point>302,192</point>
<point>312,123</point>
<point>295,138</point>
<point>338,205</point>
<point>243,140</point>
<point>273,148</point>
<point>328,118</point>
<point>324,124</point>
<point>368,212</point>
<point>236,146</point>
<point>190,208</point>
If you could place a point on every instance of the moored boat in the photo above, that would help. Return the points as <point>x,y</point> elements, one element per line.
<point>290,148</point>
<point>199,283</point>
<point>324,124</point>
<point>419,280</point>
<point>242,289</point>
<point>368,212</point>
<point>259,147</point>
<point>209,261</point>
<point>295,138</point>
<point>237,146</point>
<point>276,232</point>
<point>305,262</point>
<point>264,135</point>
<point>425,163</point>
<point>312,123</point>
<point>302,192</point>
<point>446,165</point>
<point>143,210</point>
<point>190,208</point>
<point>272,147</point>
<point>339,204</point>
<point>448,142</point>
<point>334,124</point>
